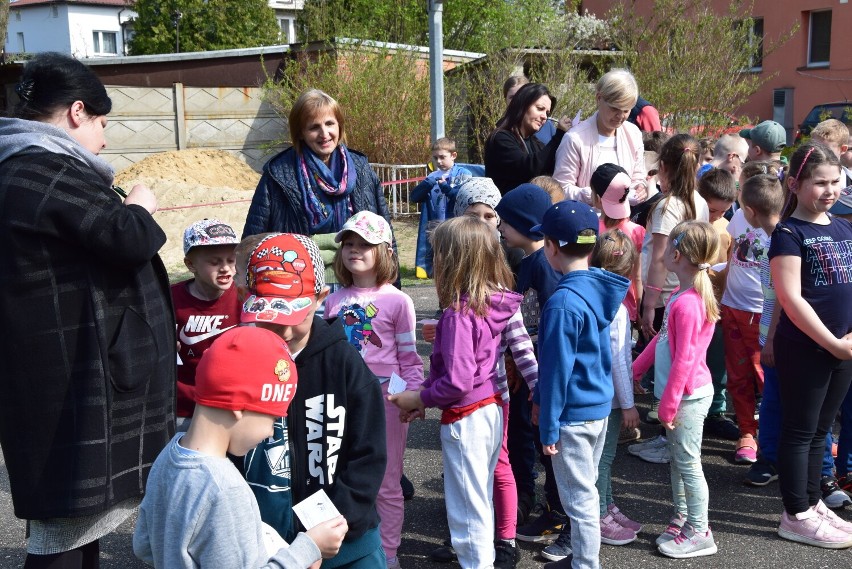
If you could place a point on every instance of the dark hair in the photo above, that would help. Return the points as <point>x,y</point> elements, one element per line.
<point>53,81</point>
<point>680,156</point>
<point>763,193</point>
<point>653,141</point>
<point>717,184</point>
<point>523,100</point>
<point>803,162</point>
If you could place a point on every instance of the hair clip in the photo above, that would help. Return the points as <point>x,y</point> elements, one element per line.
<point>24,89</point>
<point>804,161</point>
<point>609,238</point>
<point>676,240</point>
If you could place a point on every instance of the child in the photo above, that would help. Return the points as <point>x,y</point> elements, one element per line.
<point>551,186</point>
<point>834,134</point>
<point>729,153</point>
<point>205,305</point>
<point>379,322</point>
<point>333,438</point>
<point>616,252</point>
<point>707,147</point>
<point>765,141</point>
<point>683,383</point>
<point>519,211</point>
<point>198,511</point>
<point>575,387</point>
<point>610,185</point>
<point>437,194</point>
<point>719,190</point>
<point>809,263</point>
<point>462,378</point>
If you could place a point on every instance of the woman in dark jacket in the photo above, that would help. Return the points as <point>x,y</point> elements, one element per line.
<point>513,155</point>
<point>87,336</point>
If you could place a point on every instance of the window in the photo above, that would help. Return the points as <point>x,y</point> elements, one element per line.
<point>288,30</point>
<point>17,15</point>
<point>22,48</point>
<point>755,40</point>
<point>819,38</point>
<point>54,11</point>
<point>104,42</point>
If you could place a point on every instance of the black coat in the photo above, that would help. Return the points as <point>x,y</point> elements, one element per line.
<point>509,164</point>
<point>87,339</point>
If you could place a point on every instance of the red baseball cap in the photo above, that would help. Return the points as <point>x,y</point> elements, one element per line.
<point>284,275</point>
<point>247,369</point>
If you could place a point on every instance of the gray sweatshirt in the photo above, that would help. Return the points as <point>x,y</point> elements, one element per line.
<point>199,512</point>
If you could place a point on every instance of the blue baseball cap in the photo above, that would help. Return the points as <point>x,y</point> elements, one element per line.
<point>565,220</point>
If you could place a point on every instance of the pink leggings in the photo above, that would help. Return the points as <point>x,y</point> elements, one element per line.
<point>389,500</point>
<point>505,492</point>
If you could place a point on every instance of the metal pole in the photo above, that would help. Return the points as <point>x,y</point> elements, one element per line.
<point>436,67</point>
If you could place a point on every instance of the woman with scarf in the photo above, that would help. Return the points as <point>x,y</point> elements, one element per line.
<point>314,186</point>
<point>87,336</point>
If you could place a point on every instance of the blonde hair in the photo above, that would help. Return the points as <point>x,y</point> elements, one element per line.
<point>444,143</point>
<point>551,186</point>
<point>385,267</point>
<point>458,272</point>
<point>618,88</point>
<point>615,252</point>
<point>310,104</point>
<point>831,131</point>
<point>698,242</point>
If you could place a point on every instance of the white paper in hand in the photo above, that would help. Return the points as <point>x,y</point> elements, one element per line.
<point>396,384</point>
<point>315,509</point>
<point>576,120</point>
<point>272,540</point>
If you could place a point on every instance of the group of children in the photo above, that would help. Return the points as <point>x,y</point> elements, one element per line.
<point>276,403</point>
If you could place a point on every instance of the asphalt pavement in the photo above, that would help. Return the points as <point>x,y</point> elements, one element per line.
<point>744,519</point>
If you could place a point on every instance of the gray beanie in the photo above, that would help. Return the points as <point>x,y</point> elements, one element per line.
<point>476,190</point>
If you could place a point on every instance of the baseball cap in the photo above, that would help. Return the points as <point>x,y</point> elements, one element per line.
<point>247,369</point>
<point>524,207</point>
<point>612,184</point>
<point>565,220</point>
<point>285,272</point>
<point>768,135</point>
<point>843,206</point>
<point>371,226</point>
<point>208,232</point>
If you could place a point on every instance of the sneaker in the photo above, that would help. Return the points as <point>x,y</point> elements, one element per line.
<point>659,455</point>
<point>445,553</point>
<point>689,543</point>
<point>811,528</point>
<point>672,530</point>
<point>407,488</point>
<point>658,441</point>
<point>566,563</point>
<point>613,533</point>
<point>652,417</point>
<point>721,426</point>
<point>506,555</point>
<point>559,549</point>
<point>623,520</point>
<point>746,450</point>
<point>393,563</point>
<point>823,510</point>
<point>761,473</point>
<point>629,435</point>
<point>525,505</point>
<point>543,529</point>
<point>832,495</point>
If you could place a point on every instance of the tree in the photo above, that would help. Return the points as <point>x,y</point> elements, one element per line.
<point>4,24</point>
<point>203,25</point>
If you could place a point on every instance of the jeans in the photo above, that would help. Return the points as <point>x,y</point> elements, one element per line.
<point>576,469</point>
<point>812,384</point>
<point>604,483</point>
<point>470,448</point>
<point>689,488</point>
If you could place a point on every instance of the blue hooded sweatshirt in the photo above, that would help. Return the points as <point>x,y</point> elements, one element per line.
<point>575,364</point>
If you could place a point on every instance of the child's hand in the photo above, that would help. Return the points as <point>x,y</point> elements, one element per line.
<point>843,348</point>
<point>411,405</point>
<point>669,425</point>
<point>647,322</point>
<point>767,354</point>
<point>630,418</point>
<point>329,535</point>
<point>428,330</point>
<point>549,450</point>
<point>637,386</point>
<point>143,196</point>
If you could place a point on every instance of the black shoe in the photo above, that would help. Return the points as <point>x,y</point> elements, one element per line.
<point>506,555</point>
<point>832,495</point>
<point>445,553</point>
<point>721,426</point>
<point>561,564</point>
<point>407,488</point>
<point>761,473</point>
<point>525,504</point>
<point>543,529</point>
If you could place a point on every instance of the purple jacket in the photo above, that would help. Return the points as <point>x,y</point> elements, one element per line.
<point>464,360</point>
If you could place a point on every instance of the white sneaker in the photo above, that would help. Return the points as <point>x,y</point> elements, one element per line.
<point>657,455</point>
<point>657,442</point>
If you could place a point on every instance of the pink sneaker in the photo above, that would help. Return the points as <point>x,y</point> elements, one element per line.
<point>746,450</point>
<point>811,528</point>
<point>613,533</point>
<point>623,520</point>
<point>672,530</point>
<point>835,520</point>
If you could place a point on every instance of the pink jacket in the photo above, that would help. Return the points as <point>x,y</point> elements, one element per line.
<point>578,152</point>
<point>689,336</point>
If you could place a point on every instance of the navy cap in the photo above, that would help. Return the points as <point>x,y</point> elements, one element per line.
<point>843,205</point>
<point>564,221</point>
<point>523,208</point>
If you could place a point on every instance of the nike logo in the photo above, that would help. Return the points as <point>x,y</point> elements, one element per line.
<point>201,337</point>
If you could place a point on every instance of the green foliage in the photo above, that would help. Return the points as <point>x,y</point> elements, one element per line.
<point>4,21</point>
<point>384,95</point>
<point>204,25</point>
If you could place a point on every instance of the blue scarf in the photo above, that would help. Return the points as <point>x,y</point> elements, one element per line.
<point>326,190</point>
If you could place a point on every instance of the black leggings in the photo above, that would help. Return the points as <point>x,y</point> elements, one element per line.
<point>812,385</point>
<point>84,557</point>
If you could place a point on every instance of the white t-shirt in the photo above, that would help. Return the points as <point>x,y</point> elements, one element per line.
<point>662,222</point>
<point>743,290</point>
<point>606,151</point>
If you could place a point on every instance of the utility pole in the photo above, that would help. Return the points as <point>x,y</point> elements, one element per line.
<point>176,16</point>
<point>436,67</point>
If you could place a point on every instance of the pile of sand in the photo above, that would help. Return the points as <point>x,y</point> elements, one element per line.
<point>192,185</point>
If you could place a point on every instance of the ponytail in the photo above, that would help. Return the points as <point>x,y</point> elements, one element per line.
<point>698,242</point>
<point>680,156</point>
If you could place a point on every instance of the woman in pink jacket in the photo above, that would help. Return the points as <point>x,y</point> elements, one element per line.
<point>605,137</point>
